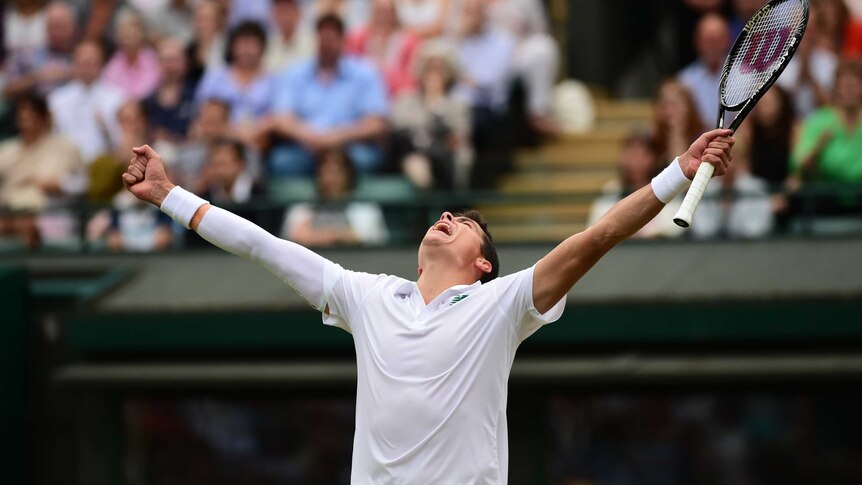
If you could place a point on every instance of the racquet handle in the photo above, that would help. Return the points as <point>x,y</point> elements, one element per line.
<point>695,193</point>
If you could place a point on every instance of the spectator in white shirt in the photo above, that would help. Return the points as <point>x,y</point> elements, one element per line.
<point>702,77</point>
<point>85,109</point>
<point>736,206</point>
<point>287,42</point>
<point>24,26</point>
<point>335,220</point>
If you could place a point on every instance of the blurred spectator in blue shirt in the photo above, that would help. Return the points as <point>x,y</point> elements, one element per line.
<point>712,41</point>
<point>485,56</point>
<point>137,226</point>
<point>170,108</point>
<point>44,68</point>
<point>327,102</point>
<point>242,83</point>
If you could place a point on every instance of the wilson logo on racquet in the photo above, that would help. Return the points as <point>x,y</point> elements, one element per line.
<point>765,48</point>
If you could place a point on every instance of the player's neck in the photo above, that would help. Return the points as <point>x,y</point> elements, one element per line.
<point>435,279</point>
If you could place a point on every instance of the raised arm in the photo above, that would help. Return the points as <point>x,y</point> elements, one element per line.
<point>297,266</point>
<point>560,269</point>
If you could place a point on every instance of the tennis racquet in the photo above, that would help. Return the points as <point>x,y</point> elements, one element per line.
<point>759,55</point>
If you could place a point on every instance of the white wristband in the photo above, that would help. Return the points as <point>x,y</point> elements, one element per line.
<point>181,205</point>
<point>670,182</point>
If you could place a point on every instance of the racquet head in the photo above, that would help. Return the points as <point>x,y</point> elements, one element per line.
<point>759,55</point>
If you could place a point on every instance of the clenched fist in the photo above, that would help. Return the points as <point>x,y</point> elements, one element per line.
<point>146,177</point>
<point>713,147</point>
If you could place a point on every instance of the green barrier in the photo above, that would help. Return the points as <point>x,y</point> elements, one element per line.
<point>13,375</point>
<point>728,322</point>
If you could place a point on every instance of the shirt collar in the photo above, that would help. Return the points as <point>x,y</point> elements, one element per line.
<point>407,288</point>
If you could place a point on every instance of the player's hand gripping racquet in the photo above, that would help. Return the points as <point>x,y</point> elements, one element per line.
<point>759,55</point>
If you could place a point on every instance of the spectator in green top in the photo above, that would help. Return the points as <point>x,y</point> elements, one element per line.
<point>830,144</point>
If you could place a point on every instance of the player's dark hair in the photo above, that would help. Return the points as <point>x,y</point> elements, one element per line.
<point>234,145</point>
<point>245,29</point>
<point>330,21</point>
<point>489,250</point>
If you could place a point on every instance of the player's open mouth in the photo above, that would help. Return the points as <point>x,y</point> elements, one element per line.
<point>443,227</point>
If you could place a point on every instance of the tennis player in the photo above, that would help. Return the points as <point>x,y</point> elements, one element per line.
<point>433,356</point>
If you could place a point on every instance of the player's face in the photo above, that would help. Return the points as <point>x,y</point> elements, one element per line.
<point>458,235</point>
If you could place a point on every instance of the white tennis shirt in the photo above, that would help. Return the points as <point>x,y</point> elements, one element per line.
<point>432,379</point>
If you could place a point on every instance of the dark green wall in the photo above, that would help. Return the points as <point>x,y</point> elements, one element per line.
<point>13,375</point>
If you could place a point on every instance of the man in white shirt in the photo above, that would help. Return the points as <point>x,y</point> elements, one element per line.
<point>85,109</point>
<point>433,356</point>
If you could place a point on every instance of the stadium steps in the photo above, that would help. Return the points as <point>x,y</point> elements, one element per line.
<point>573,166</point>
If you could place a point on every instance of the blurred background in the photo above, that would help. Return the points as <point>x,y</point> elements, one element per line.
<point>133,353</point>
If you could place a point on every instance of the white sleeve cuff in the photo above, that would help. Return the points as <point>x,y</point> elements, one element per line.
<point>181,205</point>
<point>670,182</point>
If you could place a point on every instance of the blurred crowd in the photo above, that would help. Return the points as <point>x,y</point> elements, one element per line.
<point>254,102</point>
<point>239,96</point>
<point>798,153</point>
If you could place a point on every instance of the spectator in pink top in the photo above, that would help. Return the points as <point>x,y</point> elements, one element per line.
<point>134,68</point>
<point>390,47</point>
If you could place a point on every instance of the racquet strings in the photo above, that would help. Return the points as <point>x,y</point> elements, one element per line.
<point>769,37</point>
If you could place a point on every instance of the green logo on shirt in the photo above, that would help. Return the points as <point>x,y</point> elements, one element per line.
<point>457,298</point>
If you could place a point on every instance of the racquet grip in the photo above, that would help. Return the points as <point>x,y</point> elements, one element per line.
<point>695,193</point>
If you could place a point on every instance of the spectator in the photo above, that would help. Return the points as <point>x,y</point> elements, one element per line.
<point>387,45</point>
<point>712,41</point>
<point>134,67</point>
<point>741,11</point>
<point>107,169</point>
<point>226,179</point>
<point>430,18</point>
<point>211,124</point>
<point>327,102</point>
<point>24,27</point>
<point>287,43</point>
<point>809,76</point>
<point>353,13</point>
<point>242,83</point>
<point>536,59</point>
<point>244,11</point>
<point>638,165</point>
<point>831,138</point>
<point>334,220</point>
<point>431,138</point>
<point>99,16</point>
<point>208,47</point>
<point>138,227</point>
<point>38,169</point>
<point>46,68</point>
<point>170,108</point>
<point>485,56</point>
<point>167,19</point>
<point>85,109</point>
<point>736,205</point>
<point>676,123</point>
<point>769,130</point>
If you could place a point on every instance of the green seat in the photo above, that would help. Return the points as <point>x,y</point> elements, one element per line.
<point>384,188</point>
<point>292,190</point>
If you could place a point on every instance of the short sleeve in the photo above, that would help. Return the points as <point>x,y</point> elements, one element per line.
<point>286,91</point>
<point>344,293</point>
<point>515,297</point>
<point>373,102</point>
